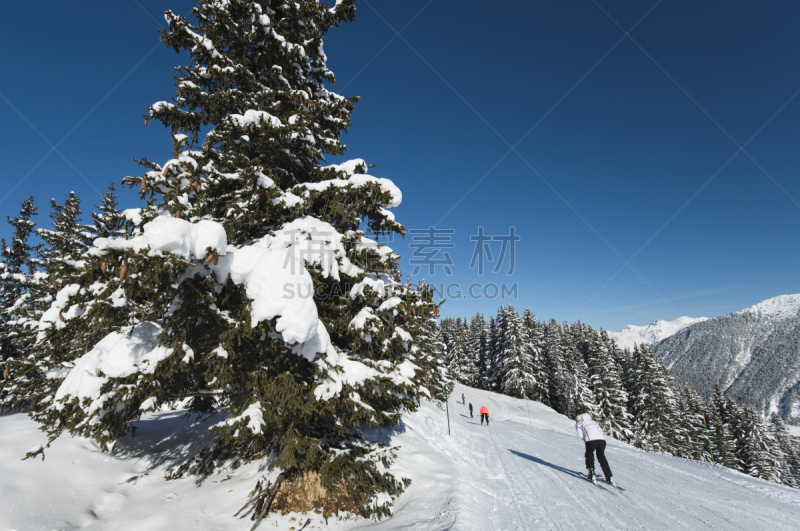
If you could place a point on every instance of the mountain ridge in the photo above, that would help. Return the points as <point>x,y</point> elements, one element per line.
<point>656,331</point>
<point>752,354</point>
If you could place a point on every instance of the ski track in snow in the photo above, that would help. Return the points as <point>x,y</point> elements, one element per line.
<point>515,474</point>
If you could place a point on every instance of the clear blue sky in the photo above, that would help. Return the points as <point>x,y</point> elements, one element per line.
<point>625,183</point>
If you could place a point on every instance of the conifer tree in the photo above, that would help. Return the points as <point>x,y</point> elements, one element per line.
<point>109,222</point>
<point>606,383</point>
<point>485,353</point>
<point>248,285</point>
<point>575,378</point>
<point>431,353</point>
<point>722,432</point>
<point>626,361</point>
<point>473,346</point>
<point>692,441</point>
<point>789,450</point>
<point>534,331</point>
<point>18,268</point>
<point>60,264</point>
<point>518,378</point>
<point>654,406</point>
<point>758,452</point>
<point>460,365</point>
<point>66,242</point>
<point>761,455</point>
<point>559,380</point>
<point>497,338</point>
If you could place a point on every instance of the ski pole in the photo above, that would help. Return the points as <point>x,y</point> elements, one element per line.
<point>708,439</point>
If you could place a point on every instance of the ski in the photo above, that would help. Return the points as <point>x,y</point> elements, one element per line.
<point>595,483</point>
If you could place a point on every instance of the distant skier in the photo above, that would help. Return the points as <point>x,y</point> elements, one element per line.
<point>595,441</point>
<point>463,400</point>
<point>470,411</point>
<point>484,415</point>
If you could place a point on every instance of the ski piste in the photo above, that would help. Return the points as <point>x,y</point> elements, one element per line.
<point>521,474</point>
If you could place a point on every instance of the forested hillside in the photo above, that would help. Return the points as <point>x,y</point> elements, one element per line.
<point>753,355</point>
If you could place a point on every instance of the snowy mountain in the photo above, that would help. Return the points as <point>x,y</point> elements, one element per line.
<point>522,472</point>
<point>652,333</point>
<point>753,354</point>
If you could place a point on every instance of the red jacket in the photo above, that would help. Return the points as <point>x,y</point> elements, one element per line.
<point>484,411</point>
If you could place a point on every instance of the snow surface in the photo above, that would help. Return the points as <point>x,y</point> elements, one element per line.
<point>515,474</point>
<point>652,333</point>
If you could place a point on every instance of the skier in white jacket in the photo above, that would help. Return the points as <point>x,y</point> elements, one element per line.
<point>595,441</point>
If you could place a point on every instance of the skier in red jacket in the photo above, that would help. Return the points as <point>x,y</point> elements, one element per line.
<point>484,415</point>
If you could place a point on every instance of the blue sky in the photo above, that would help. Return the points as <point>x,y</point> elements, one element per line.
<point>626,182</point>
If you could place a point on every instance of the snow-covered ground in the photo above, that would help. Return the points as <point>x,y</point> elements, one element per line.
<point>516,474</point>
<point>652,333</point>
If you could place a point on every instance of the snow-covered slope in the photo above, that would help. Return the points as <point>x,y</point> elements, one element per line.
<point>652,333</point>
<point>781,307</point>
<point>516,474</point>
<point>752,354</point>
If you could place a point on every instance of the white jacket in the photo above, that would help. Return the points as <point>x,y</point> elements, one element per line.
<point>589,430</point>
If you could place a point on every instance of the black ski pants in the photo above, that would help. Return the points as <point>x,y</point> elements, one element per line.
<point>600,448</point>
<point>484,416</point>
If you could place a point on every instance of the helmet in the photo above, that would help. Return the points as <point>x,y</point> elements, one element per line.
<point>583,416</point>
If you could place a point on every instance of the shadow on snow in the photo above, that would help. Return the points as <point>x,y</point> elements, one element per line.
<point>545,463</point>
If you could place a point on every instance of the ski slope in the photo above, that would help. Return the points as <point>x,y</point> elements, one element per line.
<point>516,474</point>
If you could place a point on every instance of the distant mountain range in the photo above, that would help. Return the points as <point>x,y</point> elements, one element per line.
<point>753,354</point>
<point>652,333</point>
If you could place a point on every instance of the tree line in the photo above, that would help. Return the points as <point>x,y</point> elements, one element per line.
<point>575,369</point>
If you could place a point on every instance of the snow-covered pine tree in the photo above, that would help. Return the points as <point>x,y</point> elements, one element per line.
<point>534,330</point>
<point>248,286</point>
<point>485,353</point>
<point>626,361</point>
<point>755,447</point>
<point>518,378</point>
<point>431,353</point>
<point>559,380</point>
<point>654,405</point>
<point>17,302</point>
<point>473,346</point>
<point>459,363</point>
<point>66,242</point>
<point>606,383</point>
<point>109,222</point>
<point>575,377</point>
<point>497,338</point>
<point>789,448</point>
<point>61,263</point>
<point>721,430</point>
<point>691,439</point>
